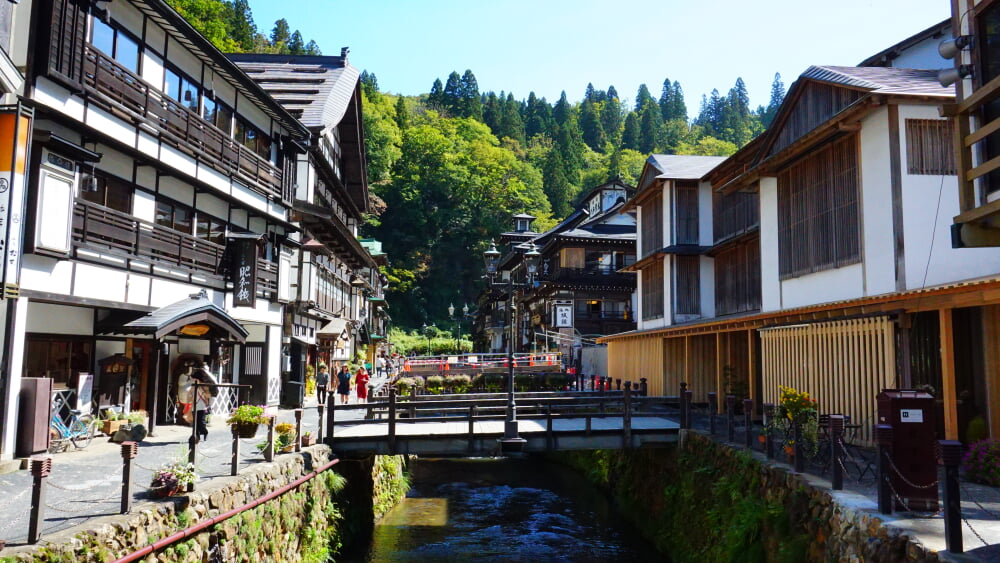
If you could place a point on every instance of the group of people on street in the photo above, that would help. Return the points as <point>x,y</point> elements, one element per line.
<point>343,382</point>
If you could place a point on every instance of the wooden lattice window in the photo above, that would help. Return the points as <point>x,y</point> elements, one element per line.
<point>687,273</point>
<point>737,278</point>
<point>818,224</point>
<point>651,215</point>
<point>687,214</point>
<point>652,291</point>
<point>929,148</point>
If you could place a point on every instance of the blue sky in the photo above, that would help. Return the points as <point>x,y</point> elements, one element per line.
<point>553,45</point>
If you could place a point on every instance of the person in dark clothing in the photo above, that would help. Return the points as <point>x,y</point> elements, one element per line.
<point>344,384</point>
<point>322,384</point>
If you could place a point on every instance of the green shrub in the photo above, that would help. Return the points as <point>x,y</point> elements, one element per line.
<point>457,383</point>
<point>435,384</point>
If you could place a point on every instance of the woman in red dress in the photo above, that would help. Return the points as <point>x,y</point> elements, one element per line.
<point>362,381</point>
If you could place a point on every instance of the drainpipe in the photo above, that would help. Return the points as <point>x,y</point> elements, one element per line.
<point>191,531</point>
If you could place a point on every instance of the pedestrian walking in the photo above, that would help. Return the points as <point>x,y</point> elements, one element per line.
<point>380,365</point>
<point>322,384</point>
<point>207,388</point>
<point>344,384</point>
<point>361,380</point>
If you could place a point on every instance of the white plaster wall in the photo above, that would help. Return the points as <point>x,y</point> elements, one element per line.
<point>706,235</point>
<point>115,162</point>
<point>878,248</point>
<point>50,94</point>
<point>180,57</point>
<point>95,282</point>
<point>59,319</point>
<point>144,206</point>
<point>923,55</point>
<point>126,15</point>
<point>177,190</point>
<point>105,348</point>
<point>668,289</point>
<point>930,259</point>
<point>770,293</point>
<point>152,69</point>
<point>273,352</point>
<point>638,233</point>
<point>46,274</point>
<point>823,287</point>
<point>707,280</point>
<point>155,36</point>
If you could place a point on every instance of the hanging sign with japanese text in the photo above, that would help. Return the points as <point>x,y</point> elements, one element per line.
<point>15,129</point>
<point>244,272</point>
<point>563,316</point>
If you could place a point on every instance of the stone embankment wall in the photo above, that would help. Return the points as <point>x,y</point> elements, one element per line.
<point>305,524</point>
<point>703,501</point>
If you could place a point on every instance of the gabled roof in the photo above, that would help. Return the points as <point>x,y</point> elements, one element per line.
<point>881,80</point>
<point>683,167</point>
<point>197,308</point>
<point>318,89</point>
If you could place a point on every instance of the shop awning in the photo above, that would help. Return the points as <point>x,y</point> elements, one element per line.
<point>333,329</point>
<point>195,316</point>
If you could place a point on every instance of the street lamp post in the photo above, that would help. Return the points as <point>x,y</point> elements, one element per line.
<point>512,441</point>
<point>427,334</point>
<point>455,325</point>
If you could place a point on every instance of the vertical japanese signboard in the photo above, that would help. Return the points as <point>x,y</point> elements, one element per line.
<point>15,131</point>
<point>244,272</point>
<point>563,316</point>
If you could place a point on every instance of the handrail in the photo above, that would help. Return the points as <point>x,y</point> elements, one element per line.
<point>192,530</point>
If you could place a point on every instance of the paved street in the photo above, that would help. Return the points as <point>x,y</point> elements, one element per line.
<point>86,483</point>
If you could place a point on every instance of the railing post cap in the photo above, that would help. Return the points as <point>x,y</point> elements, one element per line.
<point>948,452</point>
<point>684,385</point>
<point>41,466</point>
<point>129,450</point>
<point>730,399</point>
<point>748,401</point>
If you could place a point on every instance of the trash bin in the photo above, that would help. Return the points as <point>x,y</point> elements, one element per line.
<point>913,471</point>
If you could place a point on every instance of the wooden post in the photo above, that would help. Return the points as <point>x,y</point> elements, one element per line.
<point>234,463</point>
<point>883,436</point>
<point>269,450</point>
<point>298,430</point>
<point>768,439</point>
<point>686,401</point>
<point>331,401</point>
<point>319,426</point>
<point>948,393</point>
<point>748,423</point>
<point>41,467</point>
<point>392,420</point>
<point>472,428</point>
<point>718,361</point>
<point>193,440</point>
<point>731,418</point>
<point>836,431</point>
<point>752,368</point>
<point>549,436</point>
<point>713,407</point>
<point>949,454</point>
<point>643,387</point>
<point>128,450</point>
<point>627,417</point>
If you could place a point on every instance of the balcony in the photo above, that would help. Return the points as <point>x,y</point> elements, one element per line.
<point>126,95</point>
<point>98,229</point>
<point>594,275</point>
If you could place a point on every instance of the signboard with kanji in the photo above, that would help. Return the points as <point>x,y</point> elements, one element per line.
<point>563,316</point>
<point>244,272</point>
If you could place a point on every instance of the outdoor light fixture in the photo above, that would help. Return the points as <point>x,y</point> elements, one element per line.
<point>511,442</point>
<point>357,281</point>
<point>949,76</point>
<point>951,47</point>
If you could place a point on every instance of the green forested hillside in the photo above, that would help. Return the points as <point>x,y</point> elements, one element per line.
<point>448,168</point>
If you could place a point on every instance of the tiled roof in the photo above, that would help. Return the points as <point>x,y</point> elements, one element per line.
<point>684,167</point>
<point>316,89</point>
<point>882,80</point>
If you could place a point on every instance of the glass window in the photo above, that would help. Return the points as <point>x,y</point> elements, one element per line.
<point>211,229</point>
<point>102,37</point>
<point>190,94</point>
<point>60,358</point>
<point>107,191</point>
<point>224,118</point>
<point>182,219</point>
<point>164,214</point>
<point>209,110</point>
<point>171,84</point>
<point>126,51</point>
<point>264,146</point>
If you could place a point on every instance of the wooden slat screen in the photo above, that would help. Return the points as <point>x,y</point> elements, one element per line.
<point>737,278</point>
<point>687,270</point>
<point>632,358</point>
<point>67,37</point>
<point>930,147</point>
<point>842,364</point>
<point>651,214</point>
<point>652,291</point>
<point>734,214</point>
<point>818,225</point>
<point>687,215</point>
<point>690,359</point>
<point>816,104</point>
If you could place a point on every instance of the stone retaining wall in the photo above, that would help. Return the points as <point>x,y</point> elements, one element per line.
<point>302,525</point>
<point>703,501</point>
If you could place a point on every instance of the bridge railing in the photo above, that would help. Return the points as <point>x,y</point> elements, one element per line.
<point>551,407</point>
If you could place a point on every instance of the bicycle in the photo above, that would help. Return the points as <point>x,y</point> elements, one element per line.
<point>80,430</point>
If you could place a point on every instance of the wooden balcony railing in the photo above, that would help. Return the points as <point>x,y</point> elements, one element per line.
<point>128,96</point>
<point>603,275</point>
<point>99,229</point>
<point>969,205</point>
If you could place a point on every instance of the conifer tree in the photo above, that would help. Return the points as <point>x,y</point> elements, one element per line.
<point>561,110</point>
<point>510,119</point>
<point>612,93</point>
<point>280,35</point>
<point>777,96</point>
<point>590,125</point>
<point>369,84</point>
<point>650,125</point>
<point>435,99</point>
<point>470,105</point>
<point>451,98</point>
<point>643,97</point>
<point>611,117</point>
<point>667,100</point>
<point>630,134</point>
<point>402,114</point>
<point>239,21</point>
<point>491,112</point>
<point>312,48</point>
<point>679,109</point>
<point>537,116</point>
<point>296,45</point>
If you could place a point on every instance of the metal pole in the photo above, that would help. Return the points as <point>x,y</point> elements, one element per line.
<point>748,423</point>
<point>511,442</point>
<point>319,428</point>
<point>129,451</point>
<point>949,454</point>
<point>627,417</point>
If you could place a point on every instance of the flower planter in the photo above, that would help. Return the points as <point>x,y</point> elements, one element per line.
<point>245,430</point>
<point>308,441</point>
<point>762,439</point>
<point>109,427</point>
<point>164,492</point>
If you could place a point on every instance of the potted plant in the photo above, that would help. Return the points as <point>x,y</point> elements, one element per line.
<point>801,410</point>
<point>246,419</point>
<point>112,421</point>
<point>172,478</point>
<point>286,434</point>
<point>308,439</point>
